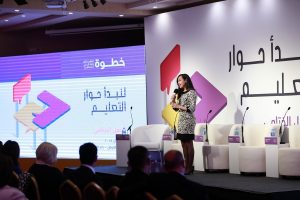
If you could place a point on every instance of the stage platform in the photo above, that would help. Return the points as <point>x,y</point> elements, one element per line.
<point>225,186</point>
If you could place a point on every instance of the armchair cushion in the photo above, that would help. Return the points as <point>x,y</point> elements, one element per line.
<point>289,161</point>
<point>289,157</point>
<point>216,157</point>
<point>252,159</point>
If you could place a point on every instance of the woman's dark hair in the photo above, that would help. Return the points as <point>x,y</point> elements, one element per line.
<point>6,168</point>
<point>189,83</point>
<point>12,149</point>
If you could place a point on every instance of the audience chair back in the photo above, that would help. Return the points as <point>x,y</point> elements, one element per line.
<point>93,192</point>
<point>14,180</point>
<point>32,190</point>
<point>174,197</point>
<point>69,191</point>
<point>150,196</point>
<point>112,193</point>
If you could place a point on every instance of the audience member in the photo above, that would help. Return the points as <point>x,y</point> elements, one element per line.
<point>7,192</point>
<point>86,173</point>
<point>134,184</point>
<point>48,177</point>
<point>173,181</point>
<point>1,146</point>
<point>12,149</point>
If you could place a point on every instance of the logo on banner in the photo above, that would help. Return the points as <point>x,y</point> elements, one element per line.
<point>101,64</point>
<point>211,97</point>
<point>32,115</point>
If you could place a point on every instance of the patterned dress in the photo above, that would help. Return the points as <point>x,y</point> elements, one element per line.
<point>186,119</point>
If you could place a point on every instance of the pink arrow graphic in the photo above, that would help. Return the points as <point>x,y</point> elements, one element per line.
<point>56,108</point>
<point>211,98</point>
<point>21,88</point>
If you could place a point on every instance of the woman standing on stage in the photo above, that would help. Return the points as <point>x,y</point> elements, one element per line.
<point>186,103</point>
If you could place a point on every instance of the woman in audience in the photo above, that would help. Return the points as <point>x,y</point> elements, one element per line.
<point>48,177</point>
<point>12,149</point>
<point>7,192</point>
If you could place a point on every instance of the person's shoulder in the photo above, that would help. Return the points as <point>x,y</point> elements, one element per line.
<point>12,193</point>
<point>56,170</point>
<point>192,91</point>
<point>84,169</point>
<point>51,170</point>
<point>194,185</point>
<point>33,168</point>
<point>160,175</point>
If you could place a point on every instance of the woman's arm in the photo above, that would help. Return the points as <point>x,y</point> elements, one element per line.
<point>191,101</point>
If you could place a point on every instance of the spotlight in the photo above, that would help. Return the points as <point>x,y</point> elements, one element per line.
<point>94,3</point>
<point>21,2</point>
<point>103,2</point>
<point>85,4</point>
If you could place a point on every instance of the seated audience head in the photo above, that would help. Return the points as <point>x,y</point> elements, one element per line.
<point>6,169</point>
<point>12,149</point>
<point>174,162</point>
<point>46,153</point>
<point>1,146</point>
<point>88,153</point>
<point>138,158</point>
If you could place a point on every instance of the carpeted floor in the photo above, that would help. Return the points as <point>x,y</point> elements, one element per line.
<point>225,186</point>
<point>245,183</point>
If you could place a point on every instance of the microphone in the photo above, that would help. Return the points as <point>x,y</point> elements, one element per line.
<point>243,124</point>
<point>176,92</point>
<point>280,129</point>
<point>129,128</point>
<point>206,140</point>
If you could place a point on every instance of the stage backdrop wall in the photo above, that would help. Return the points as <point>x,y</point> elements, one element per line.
<point>240,53</point>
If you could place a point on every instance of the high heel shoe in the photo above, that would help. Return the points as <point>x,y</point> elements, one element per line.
<point>191,171</point>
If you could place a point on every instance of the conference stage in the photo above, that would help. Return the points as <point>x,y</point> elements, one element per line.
<point>223,185</point>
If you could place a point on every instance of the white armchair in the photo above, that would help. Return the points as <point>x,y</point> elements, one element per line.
<point>252,155</point>
<point>149,136</point>
<point>215,153</point>
<point>289,157</point>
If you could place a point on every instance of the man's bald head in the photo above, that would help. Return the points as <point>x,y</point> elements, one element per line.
<point>174,161</point>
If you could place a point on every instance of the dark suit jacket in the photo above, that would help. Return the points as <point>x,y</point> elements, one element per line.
<point>49,179</point>
<point>133,186</point>
<point>163,185</point>
<point>83,176</point>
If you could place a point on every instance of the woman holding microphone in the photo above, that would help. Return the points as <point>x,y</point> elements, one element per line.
<point>185,103</point>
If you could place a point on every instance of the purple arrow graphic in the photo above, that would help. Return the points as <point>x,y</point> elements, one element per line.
<point>56,108</point>
<point>211,98</point>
